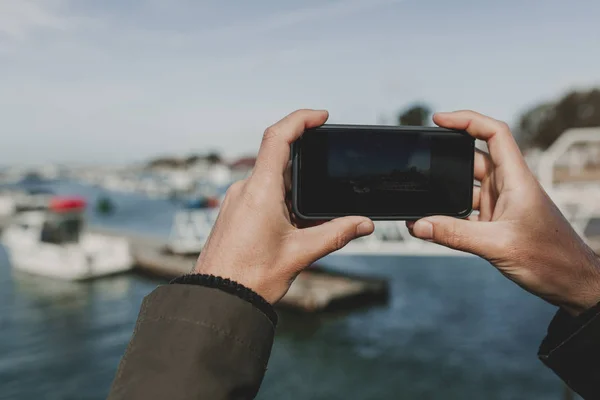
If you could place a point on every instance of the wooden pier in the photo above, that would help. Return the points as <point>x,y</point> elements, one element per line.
<point>314,290</point>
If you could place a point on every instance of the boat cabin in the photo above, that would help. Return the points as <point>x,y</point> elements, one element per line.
<point>61,223</point>
<point>64,222</point>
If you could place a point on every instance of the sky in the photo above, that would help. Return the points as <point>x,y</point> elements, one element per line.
<point>118,81</point>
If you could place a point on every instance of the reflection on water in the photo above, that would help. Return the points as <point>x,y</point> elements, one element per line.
<point>454,329</point>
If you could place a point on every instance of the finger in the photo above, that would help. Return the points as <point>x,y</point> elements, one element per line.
<point>310,244</point>
<point>287,178</point>
<point>483,165</point>
<point>476,197</point>
<point>274,153</point>
<point>473,237</point>
<point>501,144</point>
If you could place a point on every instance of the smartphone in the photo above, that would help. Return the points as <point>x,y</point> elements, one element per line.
<point>382,172</point>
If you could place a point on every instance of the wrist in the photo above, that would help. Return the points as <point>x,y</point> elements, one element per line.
<point>243,277</point>
<point>231,287</point>
<point>585,290</point>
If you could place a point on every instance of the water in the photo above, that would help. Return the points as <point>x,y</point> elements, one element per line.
<point>454,329</point>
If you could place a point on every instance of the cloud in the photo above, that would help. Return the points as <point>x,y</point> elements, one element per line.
<point>24,21</point>
<point>21,18</point>
<point>289,19</point>
<point>78,76</point>
<point>331,10</point>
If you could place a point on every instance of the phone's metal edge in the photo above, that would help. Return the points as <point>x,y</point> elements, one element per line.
<point>295,172</point>
<point>295,180</point>
<point>399,128</point>
<point>472,169</point>
<point>465,214</point>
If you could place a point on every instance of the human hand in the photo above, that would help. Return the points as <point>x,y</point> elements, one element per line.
<point>519,229</point>
<point>255,240</point>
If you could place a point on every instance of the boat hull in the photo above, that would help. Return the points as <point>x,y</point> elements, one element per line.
<point>94,257</point>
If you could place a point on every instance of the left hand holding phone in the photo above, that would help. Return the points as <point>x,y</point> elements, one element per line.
<point>254,241</point>
<point>519,229</point>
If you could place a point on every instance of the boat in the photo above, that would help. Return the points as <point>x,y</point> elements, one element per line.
<point>8,204</point>
<point>36,198</point>
<point>577,199</point>
<point>192,225</point>
<point>53,243</point>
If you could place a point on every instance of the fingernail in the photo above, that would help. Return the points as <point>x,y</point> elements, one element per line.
<point>364,228</point>
<point>423,229</point>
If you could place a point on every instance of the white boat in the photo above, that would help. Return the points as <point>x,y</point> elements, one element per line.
<point>33,199</point>
<point>52,243</point>
<point>8,205</point>
<point>191,226</point>
<point>579,201</point>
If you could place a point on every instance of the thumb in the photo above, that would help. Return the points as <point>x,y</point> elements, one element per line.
<point>460,234</point>
<point>311,244</point>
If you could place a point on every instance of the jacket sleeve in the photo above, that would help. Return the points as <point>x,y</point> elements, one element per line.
<point>572,350</point>
<point>194,342</point>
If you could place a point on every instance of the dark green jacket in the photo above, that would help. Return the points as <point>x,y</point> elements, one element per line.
<point>195,342</point>
<point>209,338</point>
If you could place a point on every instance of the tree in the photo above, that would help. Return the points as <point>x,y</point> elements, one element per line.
<point>416,115</point>
<point>531,122</point>
<point>214,158</point>
<point>541,125</point>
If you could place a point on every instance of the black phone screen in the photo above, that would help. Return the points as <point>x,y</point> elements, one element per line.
<point>382,172</point>
<point>379,162</point>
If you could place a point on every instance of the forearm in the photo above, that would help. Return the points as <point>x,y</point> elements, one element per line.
<point>195,342</point>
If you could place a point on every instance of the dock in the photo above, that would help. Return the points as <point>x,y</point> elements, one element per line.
<point>314,290</point>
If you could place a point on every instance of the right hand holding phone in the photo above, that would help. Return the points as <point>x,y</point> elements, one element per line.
<point>519,229</point>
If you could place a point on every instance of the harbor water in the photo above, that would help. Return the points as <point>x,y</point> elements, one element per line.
<point>454,328</point>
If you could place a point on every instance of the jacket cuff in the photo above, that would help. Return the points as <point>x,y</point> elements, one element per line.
<point>572,349</point>
<point>231,287</point>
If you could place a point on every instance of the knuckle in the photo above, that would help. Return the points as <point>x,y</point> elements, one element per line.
<point>470,114</point>
<point>235,189</point>
<point>255,198</point>
<point>454,241</point>
<point>503,128</point>
<point>261,183</point>
<point>299,113</point>
<point>453,238</point>
<point>270,133</point>
<point>338,241</point>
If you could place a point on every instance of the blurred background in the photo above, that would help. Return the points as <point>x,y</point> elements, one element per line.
<point>122,123</point>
